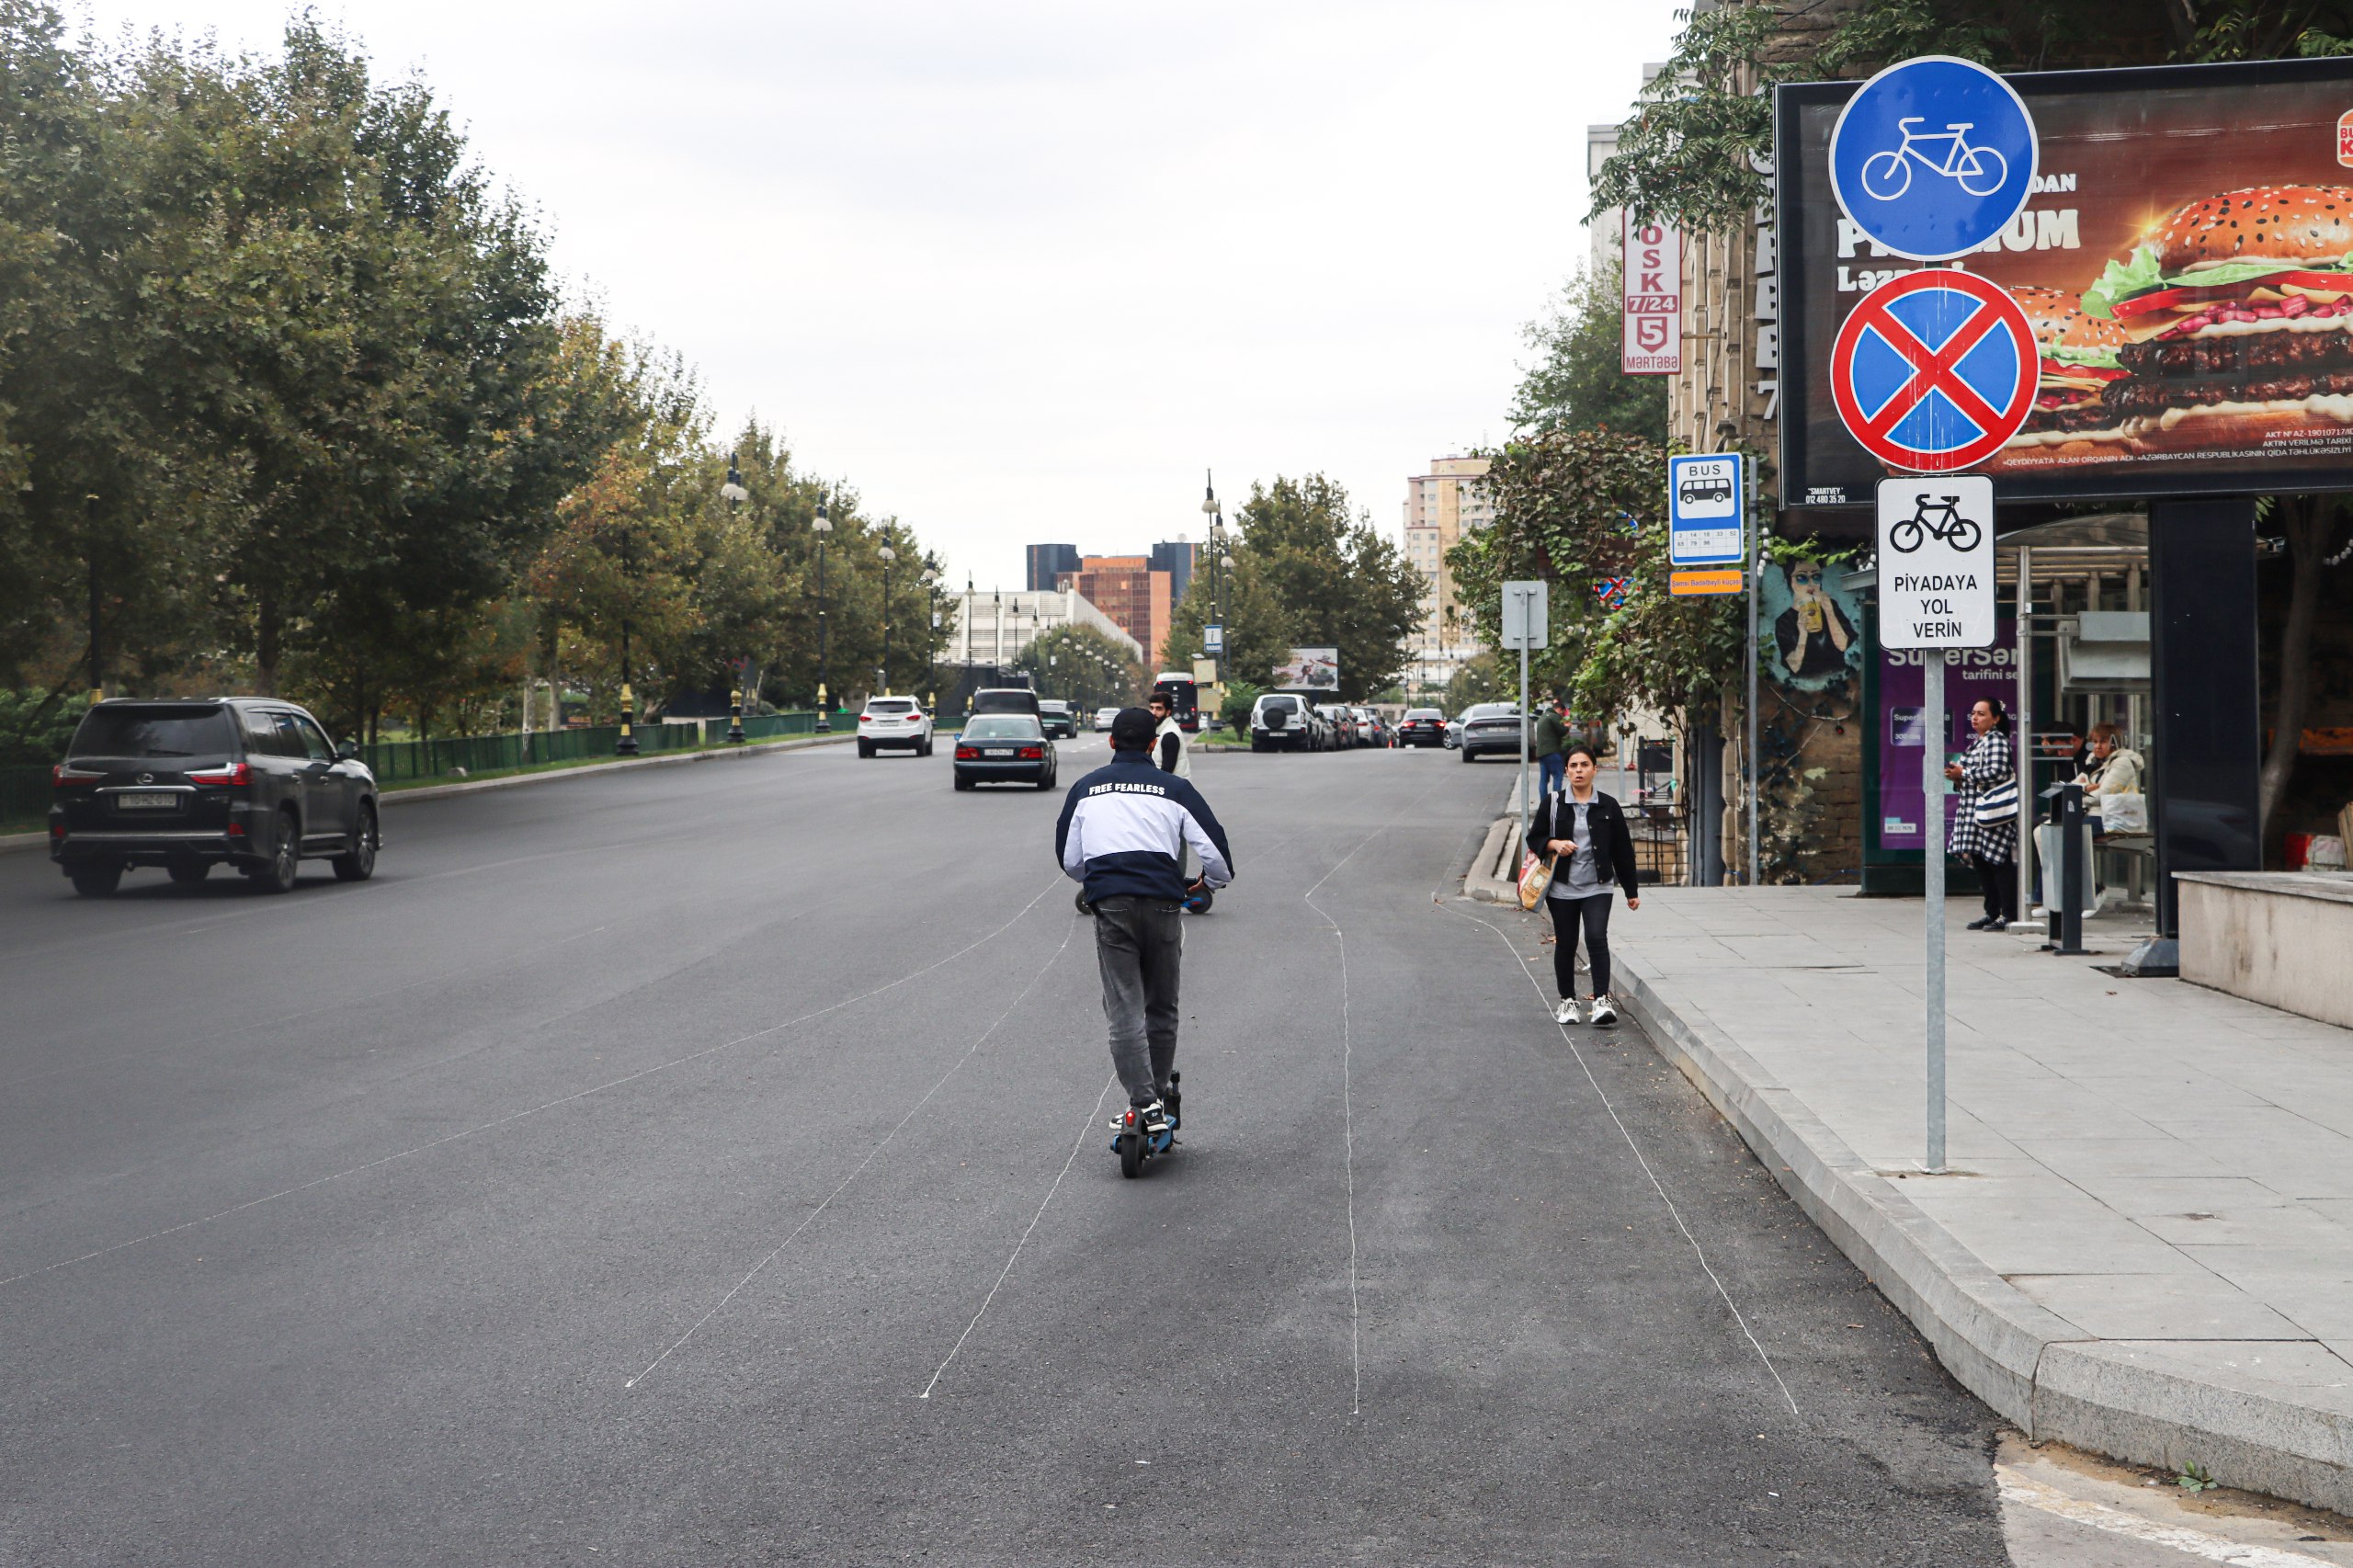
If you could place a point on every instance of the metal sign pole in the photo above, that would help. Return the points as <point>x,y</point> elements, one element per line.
<point>1523,741</point>
<point>1932,864</point>
<point>1755,576</point>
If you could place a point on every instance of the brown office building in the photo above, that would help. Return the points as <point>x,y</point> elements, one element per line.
<point>1127,589</point>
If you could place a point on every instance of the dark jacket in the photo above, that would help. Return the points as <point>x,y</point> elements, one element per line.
<point>1552,734</point>
<point>1125,827</point>
<point>1613,844</point>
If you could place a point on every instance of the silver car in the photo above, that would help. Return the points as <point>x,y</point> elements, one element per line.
<point>1490,727</point>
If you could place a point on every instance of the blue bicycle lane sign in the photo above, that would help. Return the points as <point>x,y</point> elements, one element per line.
<point>1933,156</point>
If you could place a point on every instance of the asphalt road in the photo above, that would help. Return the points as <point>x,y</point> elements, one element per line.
<point>708,1164</point>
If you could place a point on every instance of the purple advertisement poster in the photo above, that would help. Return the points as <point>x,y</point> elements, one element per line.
<point>1971,673</point>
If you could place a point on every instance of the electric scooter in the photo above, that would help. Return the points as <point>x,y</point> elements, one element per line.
<point>1133,1145</point>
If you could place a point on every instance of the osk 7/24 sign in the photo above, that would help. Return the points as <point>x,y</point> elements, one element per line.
<point>1936,561</point>
<point>1651,321</point>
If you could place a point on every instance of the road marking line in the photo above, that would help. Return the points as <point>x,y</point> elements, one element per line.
<point>1083,1133</point>
<point>2016,1488</point>
<point>1661,1189</point>
<point>1348,1100</point>
<point>521,1114</point>
<point>871,1155</point>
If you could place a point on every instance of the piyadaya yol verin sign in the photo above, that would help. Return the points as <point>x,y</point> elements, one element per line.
<point>2185,264</point>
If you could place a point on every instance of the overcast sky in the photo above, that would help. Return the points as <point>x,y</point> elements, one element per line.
<point>1022,270</point>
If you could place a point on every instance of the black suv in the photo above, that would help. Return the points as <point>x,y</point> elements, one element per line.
<point>249,782</point>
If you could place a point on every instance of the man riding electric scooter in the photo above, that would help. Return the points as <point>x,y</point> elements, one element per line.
<point>1124,832</point>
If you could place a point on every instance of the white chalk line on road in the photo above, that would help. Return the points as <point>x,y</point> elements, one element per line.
<point>534,1110</point>
<point>1092,1117</point>
<point>810,1217</point>
<point>2017,1489</point>
<point>1347,1099</point>
<point>1658,1185</point>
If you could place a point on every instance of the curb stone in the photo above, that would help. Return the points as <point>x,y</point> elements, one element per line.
<point>2127,1399</point>
<point>12,842</point>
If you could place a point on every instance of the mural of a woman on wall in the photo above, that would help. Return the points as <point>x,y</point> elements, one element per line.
<point>1814,640</point>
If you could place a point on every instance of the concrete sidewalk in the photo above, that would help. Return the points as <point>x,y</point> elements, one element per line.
<point>2146,1246</point>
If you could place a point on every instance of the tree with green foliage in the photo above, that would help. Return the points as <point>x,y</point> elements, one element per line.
<point>1581,509</point>
<point>1082,666</point>
<point>1575,382</point>
<point>1327,579</point>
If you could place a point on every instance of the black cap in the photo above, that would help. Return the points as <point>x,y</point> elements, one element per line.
<point>1134,730</point>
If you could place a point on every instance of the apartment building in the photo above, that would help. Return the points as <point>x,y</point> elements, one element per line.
<point>1442,505</point>
<point>1127,589</point>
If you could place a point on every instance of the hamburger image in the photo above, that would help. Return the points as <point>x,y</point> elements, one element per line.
<point>2236,313</point>
<point>2077,352</point>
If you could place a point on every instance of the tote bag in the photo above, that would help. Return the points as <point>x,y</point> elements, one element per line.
<point>1535,878</point>
<point>1997,805</point>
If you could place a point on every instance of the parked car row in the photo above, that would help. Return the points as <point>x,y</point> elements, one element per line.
<point>1284,721</point>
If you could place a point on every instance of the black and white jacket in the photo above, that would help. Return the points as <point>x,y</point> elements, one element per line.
<point>1125,826</point>
<point>1613,843</point>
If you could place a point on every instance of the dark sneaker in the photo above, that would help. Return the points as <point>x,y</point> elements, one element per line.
<point>1152,1119</point>
<point>1979,924</point>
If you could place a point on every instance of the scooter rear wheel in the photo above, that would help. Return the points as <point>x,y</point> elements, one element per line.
<point>1131,1154</point>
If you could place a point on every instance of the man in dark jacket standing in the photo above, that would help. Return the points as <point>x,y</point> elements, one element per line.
<point>1550,742</point>
<point>1582,832</point>
<point>1123,835</point>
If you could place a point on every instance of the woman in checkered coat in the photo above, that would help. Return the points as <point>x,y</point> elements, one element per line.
<point>1990,847</point>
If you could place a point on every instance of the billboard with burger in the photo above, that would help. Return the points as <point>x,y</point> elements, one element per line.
<point>2186,262</point>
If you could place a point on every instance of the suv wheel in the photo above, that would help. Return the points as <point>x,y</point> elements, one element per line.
<point>277,874</point>
<point>97,880</point>
<point>359,863</point>
<point>865,746</point>
<point>189,872</point>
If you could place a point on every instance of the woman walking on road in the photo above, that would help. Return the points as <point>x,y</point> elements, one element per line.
<point>1583,833</point>
<point>1990,847</point>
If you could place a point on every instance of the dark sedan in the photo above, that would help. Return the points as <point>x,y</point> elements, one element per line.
<point>1003,749</point>
<point>1422,727</point>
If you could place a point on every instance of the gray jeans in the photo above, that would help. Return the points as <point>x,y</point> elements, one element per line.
<point>1140,946</point>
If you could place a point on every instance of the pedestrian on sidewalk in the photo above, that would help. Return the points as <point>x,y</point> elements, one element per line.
<point>1990,847</point>
<point>1583,833</point>
<point>1551,743</point>
<point>1124,833</point>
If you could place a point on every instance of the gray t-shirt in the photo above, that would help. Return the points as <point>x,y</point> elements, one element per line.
<point>1577,879</point>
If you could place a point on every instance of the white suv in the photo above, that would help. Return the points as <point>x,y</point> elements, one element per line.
<point>893,721</point>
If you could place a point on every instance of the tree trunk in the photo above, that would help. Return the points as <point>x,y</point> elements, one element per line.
<point>2311,519</point>
<point>266,644</point>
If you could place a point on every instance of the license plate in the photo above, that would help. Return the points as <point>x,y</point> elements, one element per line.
<point>134,802</point>
<point>999,751</point>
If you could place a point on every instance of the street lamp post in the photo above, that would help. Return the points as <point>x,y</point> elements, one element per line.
<point>627,745</point>
<point>735,494</point>
<point>821,526</point>
<point>888,555</point>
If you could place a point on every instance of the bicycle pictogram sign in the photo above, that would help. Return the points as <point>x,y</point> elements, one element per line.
<point>1980,171</point>
<point>1929,194</point>
<point>1934,517</point>
<point>1934,370</point>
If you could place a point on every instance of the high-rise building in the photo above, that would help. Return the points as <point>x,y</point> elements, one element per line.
<point>1176,559</point>
<point>1442,505</point>
<point>1047,565</point>
<point>1126,588</point>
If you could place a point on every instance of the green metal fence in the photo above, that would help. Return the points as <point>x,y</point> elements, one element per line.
<point>24,792</point>
<point>394,760</point>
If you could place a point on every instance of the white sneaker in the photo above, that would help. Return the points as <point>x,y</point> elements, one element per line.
<point>1603,1013</point>
<point>1566,1013</point>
